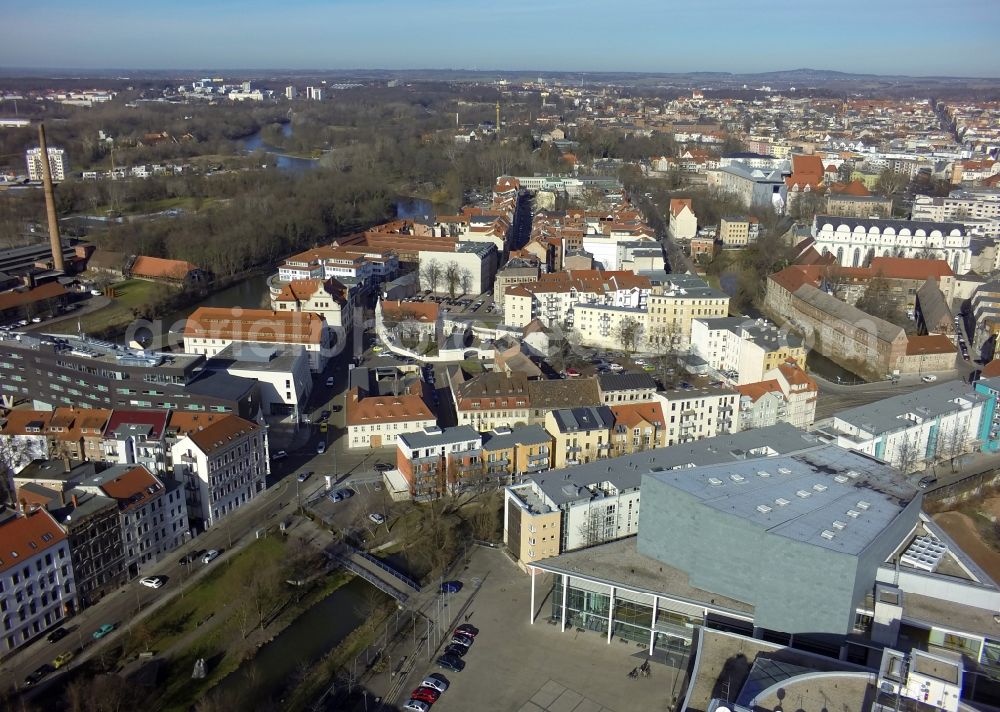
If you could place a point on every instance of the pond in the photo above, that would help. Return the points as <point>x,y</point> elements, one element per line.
<point>284,162</point>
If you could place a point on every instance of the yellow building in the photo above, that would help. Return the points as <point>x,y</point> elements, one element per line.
<point>579,434</point>
<point>675,303</point>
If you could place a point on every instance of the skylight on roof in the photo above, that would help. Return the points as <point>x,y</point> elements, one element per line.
<point>803,493</point>
<point>840,479</point>
<point>853,513</point>
<point>715,481</point>
<point>784,471</point>
<point>763,508</point>
<point>838,525</point>
<point>863,504</point>
<point>827,534</point>
<point>737,478</point>
<point>853,474</point>
<point>819,487</point>
<point>781,501</point>
<point>763,473</point>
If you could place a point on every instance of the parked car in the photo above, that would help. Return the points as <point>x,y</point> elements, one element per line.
<point>329,382</point>
<point>926,482</point>
<point>340,495</point>
<point>188,558</point>
<point>382,467</point>
<point>450,662</point>
<point>38,674</point>
<point>210,556</point>
<point>425,694</point>
<point>451,587</point>
<point>463,640</point>
<point>416,706</point>
<point>377,349</point>
<point>96,292</point>
<point>616,367</point>
<point>152,581</point>
<point>102,631</point>
<point>435,682</point>
<point>467,629</point>
<point>303,476</point>
<point>930,378</point>
<point>64,659</point>
<point>57,635</point>
<point>36,320</point>
<point>376,518</point>
<point>455,649</point>
<point>280,455</point>
<point>320,447</point>
<point>325,415</point>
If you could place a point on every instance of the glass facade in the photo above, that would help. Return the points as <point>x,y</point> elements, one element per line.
<point>632,621</point>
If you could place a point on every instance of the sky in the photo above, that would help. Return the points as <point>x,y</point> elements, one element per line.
<point>915,37</point>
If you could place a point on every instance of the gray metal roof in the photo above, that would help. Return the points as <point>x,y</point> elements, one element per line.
<point>882,224</point>
<point>573,420</point>
<point>482,249</point>
<point>521,435</point>
<point>825,496</point>
<point>220,384</point>
<point>564,485</point>
<point>438,437</point>
<point>625,382</point>
<point>927,403</point>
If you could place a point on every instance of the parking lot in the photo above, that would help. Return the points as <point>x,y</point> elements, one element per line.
<point>518,667</point>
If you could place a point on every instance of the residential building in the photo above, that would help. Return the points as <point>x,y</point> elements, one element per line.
<point>315,93</point>
<point>23,303</point>
<point>854,242</point>
<point>136,437</point>
<point>209,330</point>
<point>328,298</point>
<point>986,319</point>
<point>158,269</point>
<point>96,542</point>
<point>57,163</point>
<point>580,434</point>
<point>589,504</point>
<point>491,400</point>
<point>918,429</point>
<point>744,349</point>
<point>638,427</point>
<point>291,93</point>
<point>621,388</point>
<point>435,461</point>
<point>221,460</point>
<point>510,453</point>
<point>518,270</point>
<point>65,370</point>
<point>682,222</point>
<point>676,300</point>
<point>738,231</point>
<point>152,512</point>
<point>553,297</point>
<point>379,410</point>
<point>699,413</point>
<point>785,395</point>
<point>611,327</point>
<point>37,586</point>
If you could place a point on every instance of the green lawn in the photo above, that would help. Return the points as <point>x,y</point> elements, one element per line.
<point>128,294</point>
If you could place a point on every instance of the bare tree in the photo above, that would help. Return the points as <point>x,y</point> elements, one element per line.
<point>430,275</point>
<point>907,456</point>
<point>628,333</point>
<point>591,529</point>
<point>14,454</point>
<point>452,278</point>
<point>465,278</point>
<point>951,443</point>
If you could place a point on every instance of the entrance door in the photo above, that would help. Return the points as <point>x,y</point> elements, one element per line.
<point>376,441</point>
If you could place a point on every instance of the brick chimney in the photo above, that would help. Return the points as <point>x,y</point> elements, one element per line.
<point>50,202</point>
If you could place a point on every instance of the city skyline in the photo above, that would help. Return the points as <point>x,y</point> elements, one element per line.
<point>644,36</point>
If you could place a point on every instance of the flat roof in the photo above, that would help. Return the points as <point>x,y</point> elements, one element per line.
<point>925,403</point>
<point>619,563</point>
<point>256,356</point>
<point>826,496</point>
<point>438,437</point>
<point>626,472</point>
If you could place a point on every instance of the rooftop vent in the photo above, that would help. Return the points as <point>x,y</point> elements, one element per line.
<point>737,478</point>
<point>781,501</point>
<point>853,513</point>
<point>803,493</point>
<point>840,479</point>
<point>827,534</point>
<point>715,481</point>
<point>784,471</point>
<point>763,473</point>
<point>839,525</point>
<point>863,505</point>
<point>819,487</point>
<point>763,508</point>
<point>853,474</point>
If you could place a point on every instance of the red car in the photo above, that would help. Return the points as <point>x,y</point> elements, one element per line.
<point>467,629</point>
<point>425,694</point>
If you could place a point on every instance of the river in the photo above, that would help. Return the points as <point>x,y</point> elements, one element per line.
<point>309,637</point>
<point>284,162</point>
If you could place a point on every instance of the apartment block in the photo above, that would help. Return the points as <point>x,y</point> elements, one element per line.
<point>58,165</point>
<point>37,585</point>
<point>676,300</point>
<point>579,434</point>
<point>744,349</point>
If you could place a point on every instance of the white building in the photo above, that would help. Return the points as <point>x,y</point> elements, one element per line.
<point>57,163</point>
<point>37,586</point>
<point>291,93</point>
<point>856,241</point>
<point>153,512</point>
<point>683,223</point>
<point>743,349</point>
<point>475,264</point>
<point>699,413</point>
<point>913,430</point>
<point>282,372</point>
<point>315,93</point>
<point>554,296</point>
<point>603,326</point>
<point>222,461</point>
<point>977,209</point>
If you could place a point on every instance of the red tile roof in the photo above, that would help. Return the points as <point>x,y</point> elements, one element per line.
<point>424,312</point>
<point>678,204</point>
<point>157,419</point>
<point>755,391</point>
<point>132,489</point>
<point>385,409</point>
<point>260,325</point>
<point>157,268</point>
<point>17,298</point>
<point>26,536</point>
<point>632,414</point>
<point>211,431</point>
<point>909,268</point>
<point>933,344</point>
